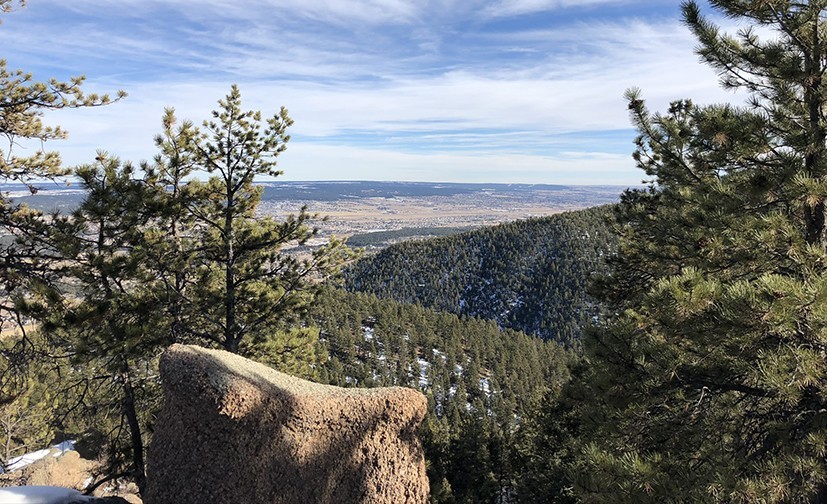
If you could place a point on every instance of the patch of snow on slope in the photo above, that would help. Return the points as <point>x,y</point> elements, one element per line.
<point>22,461</point>
<point>64,447</point>
<point>423,372</point>
<point>485,386</point>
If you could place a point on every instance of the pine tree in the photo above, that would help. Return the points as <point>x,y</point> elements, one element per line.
<point>169,246</point>
<point>708,382</point>
<point>244,288</point>
<point>23,103</point>
<point>106,315</point>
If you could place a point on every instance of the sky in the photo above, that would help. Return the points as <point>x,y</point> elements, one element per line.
<point>509,91</point>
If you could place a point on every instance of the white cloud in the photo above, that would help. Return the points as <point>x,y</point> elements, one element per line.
<point>329,162</point>
<point>372,99</point>
<point>331,11</point>
<point>505,8</point>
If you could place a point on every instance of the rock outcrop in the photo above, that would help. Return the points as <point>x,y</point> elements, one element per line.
<point>232,430</point>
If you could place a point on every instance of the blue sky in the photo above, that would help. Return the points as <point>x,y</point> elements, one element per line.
<point>523,91</point>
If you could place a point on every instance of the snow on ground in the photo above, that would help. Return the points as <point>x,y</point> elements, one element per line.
<point>423,372</point>
<point>41,495</point>
<point>64,447</point>
<point>22,461</point>
<point>369,334</point>
<point>485,386</point>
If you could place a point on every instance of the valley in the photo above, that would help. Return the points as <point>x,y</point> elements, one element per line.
<point>360,208</point>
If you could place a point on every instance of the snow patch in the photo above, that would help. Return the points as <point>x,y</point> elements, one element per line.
<point>423,372</point>
<point>22,461</point>
<point>485,386</point>
<point>64,447</point>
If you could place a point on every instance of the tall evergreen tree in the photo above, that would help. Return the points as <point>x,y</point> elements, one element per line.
<point>106,316</point>
<point>245,287</point>
<point>709,380</point>
<point>23,102</point>
<point>169,246</point>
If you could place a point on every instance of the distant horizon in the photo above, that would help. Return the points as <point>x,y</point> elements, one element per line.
<point>71,185</point>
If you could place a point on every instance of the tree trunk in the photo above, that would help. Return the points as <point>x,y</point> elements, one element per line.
<point>139,469</point>
<point>814,212</point>
<point>230,340</point>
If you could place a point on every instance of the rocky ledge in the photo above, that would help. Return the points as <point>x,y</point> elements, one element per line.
<point>232,430</point>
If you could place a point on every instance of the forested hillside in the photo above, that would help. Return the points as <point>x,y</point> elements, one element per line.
<point>482,383</point>
<point>528,275</point>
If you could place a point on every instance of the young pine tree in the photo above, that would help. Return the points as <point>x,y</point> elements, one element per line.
<point>709,380</point>
<point>231,283</point>
<point>107,315</point>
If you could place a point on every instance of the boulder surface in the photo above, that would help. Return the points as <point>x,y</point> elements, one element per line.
<point>232,430</point>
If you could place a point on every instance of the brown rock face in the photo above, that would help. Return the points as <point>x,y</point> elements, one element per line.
<point>232,431</point>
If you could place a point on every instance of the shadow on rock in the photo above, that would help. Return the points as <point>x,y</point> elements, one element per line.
<point>232,430</point>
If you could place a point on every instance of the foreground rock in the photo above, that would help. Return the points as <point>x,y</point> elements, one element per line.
<point>232,430</point>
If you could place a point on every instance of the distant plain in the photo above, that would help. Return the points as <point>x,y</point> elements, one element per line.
<point>361,207</point>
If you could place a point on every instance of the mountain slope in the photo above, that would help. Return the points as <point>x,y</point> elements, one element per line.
<point>481,382</point>
<point>529,275</point>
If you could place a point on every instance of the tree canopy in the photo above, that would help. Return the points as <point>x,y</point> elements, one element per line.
<point>708,380</point>
<point>529,275</point>
<point>23,103</point>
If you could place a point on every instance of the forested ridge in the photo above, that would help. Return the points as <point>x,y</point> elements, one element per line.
<point>483,384</point>
<point>529,275</point>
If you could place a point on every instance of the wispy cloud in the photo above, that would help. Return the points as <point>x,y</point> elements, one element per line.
<point>393,86</point>
<point>329,11</point>
<point>505,8</point>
